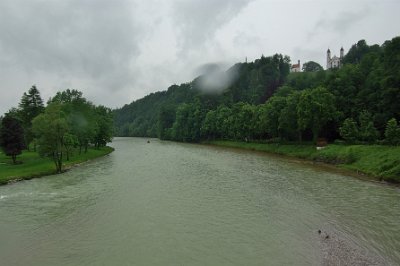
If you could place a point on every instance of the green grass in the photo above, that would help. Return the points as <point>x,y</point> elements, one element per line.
<point>35,166</point>
<point>378,161</point>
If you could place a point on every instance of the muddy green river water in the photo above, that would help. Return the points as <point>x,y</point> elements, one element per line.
<point>165,203</point>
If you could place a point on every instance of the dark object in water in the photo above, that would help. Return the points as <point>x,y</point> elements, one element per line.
<point>319,231</point>
<point>148,141</point>
<point>327,236</point>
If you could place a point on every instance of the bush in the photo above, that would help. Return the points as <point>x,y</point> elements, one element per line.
<point>349,130</point>
<point>392,132</point>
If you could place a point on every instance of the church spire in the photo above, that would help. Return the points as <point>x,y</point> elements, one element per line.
<point>328,59</point>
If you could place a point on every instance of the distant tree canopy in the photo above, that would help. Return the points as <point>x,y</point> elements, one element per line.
<point>265,102</point>
<point>67,124</point>
<point>250,82</point>
<point>70,121</point>
<point>312,66</point>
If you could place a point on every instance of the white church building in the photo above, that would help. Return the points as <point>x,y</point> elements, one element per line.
<point>334,62</point>
<point>296,67</point>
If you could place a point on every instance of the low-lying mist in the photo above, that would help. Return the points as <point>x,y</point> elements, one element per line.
<point>214,79</point>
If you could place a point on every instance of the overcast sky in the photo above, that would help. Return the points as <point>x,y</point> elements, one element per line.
<point>119,51</point>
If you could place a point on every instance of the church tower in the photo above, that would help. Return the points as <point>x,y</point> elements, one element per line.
<point>341,56</point>
<point>328,59</point>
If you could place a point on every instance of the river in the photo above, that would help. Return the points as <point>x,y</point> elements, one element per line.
<point>165,203</point>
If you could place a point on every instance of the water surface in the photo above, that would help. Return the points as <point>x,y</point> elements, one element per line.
<point>165,203</point>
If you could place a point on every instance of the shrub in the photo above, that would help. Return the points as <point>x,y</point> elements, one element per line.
<point>392,132</point>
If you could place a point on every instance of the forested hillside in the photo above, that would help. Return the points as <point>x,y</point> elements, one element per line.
<point>251,82</point>
<point>263,101</point>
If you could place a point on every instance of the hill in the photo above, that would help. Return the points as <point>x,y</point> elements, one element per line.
<point>261,100</point>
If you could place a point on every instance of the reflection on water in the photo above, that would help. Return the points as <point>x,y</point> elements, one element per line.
<point>164,203</point>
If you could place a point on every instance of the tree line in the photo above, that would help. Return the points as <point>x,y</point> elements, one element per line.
<point>357,103</point>
<point>68,123</point>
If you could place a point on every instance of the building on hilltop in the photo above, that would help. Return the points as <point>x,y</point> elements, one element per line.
<point>295,67</point>
<point>334,62</point>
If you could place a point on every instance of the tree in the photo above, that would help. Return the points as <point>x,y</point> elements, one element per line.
<point>367,131</point>
<point>288,119</point>
<point>349,130</point>
<point>166,119</point>
<point>392,132</point>
<point>312,66</point>
<point>241,121</point>
<point>11,137</point>
<point>271,114</point>
<point>209,128</point>
<point>31,105</point>
<point>316,107</point>
<point>224,123</point>
<point>103,127</point>
<point>51,128</point>
<point>356,52</point>
<point>67,96</point>
<point>70,142</point>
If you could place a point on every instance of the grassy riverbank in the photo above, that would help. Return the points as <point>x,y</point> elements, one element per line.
<point>35,166</point>
<point>378,161</point>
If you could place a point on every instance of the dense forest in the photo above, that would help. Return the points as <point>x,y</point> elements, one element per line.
<point>68,124</point>
<point>263,101</point>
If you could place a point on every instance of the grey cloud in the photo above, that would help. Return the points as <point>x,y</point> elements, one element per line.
<point>305,54</point>
<point>86,39</point>
<point>198,21</point>
<point>244,39</point>
<point>340,24</point>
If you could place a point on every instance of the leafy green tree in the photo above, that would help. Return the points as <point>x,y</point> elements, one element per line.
<point>316,107</point>
<point>272,113</point>
<point>70,142</point>
<point>11,137</point>
<point>166,119</point>
<point>367,131</point>
<point>82,117</point>
<point>181,127</point>
<point>288,119</point>
<point>312,66</point>
<point>241,121</point>
<point>187,125</point>
<point>224,122</point>
<point>284,91</point>
<point>30,106</point>
<point>51,128</point>
<point>103,127</point>
<point>349,130</point>
<point>356,52</point>
<point>209,128</point>
<point>67,96</point>
<point>392,132</point>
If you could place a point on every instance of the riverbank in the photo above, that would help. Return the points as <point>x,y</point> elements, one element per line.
<point>376,161</point>
<point>34,166</point>
<point>339,249</point>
